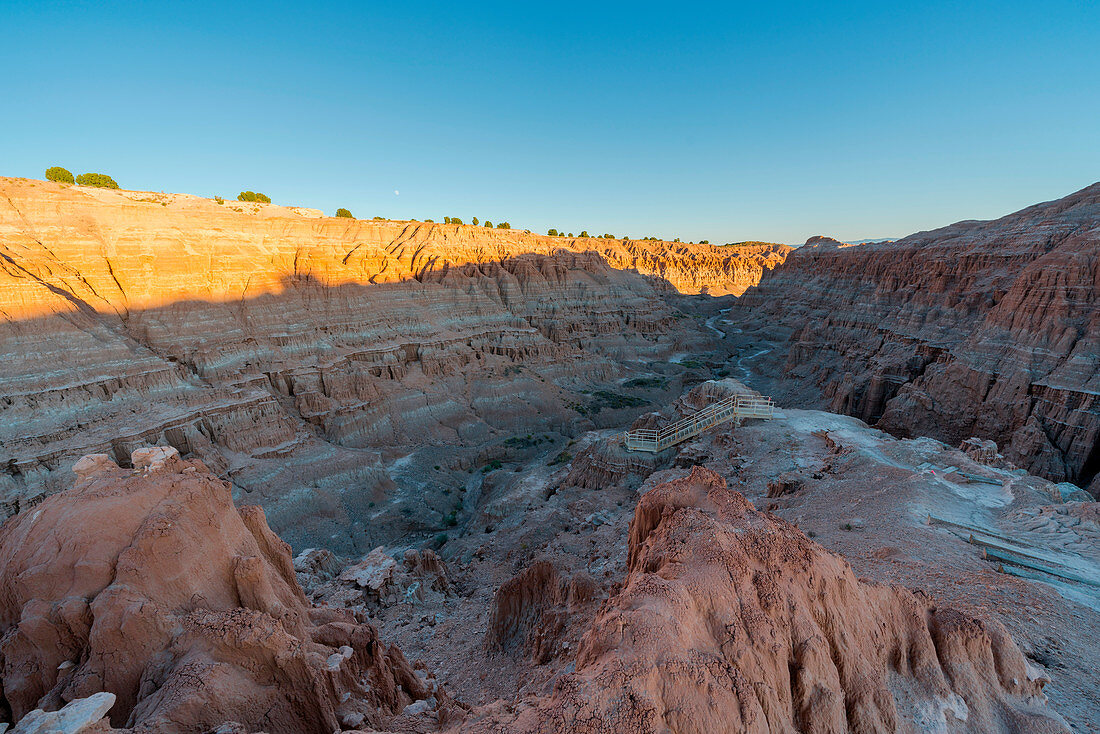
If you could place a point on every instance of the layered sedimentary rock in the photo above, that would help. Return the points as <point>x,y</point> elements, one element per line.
<point>296,354</point>
<point>151,586</point>
<point>731,620</point>
<point>987,329</point>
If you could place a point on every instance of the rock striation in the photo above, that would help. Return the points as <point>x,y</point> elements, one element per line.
<point>290,352</point>
<point>731,620</point>
<point>988,329</point>
<point>149,592</point>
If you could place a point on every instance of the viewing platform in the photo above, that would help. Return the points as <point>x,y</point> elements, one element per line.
<point>734,407</point>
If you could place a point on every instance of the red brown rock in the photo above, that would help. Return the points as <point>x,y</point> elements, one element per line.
<point>987,329</point>
<point>532,610</point>
<point>731,620</point>
<point>154,588</point>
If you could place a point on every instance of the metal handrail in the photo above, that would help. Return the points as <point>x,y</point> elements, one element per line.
<point>740,405</point>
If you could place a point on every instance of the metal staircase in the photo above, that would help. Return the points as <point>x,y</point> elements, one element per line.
<point>736,406</point>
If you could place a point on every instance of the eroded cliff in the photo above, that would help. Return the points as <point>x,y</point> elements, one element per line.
<point>988,329</point>
<point>301,356</point>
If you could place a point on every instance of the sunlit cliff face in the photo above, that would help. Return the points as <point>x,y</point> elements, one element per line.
<point>122,250</point>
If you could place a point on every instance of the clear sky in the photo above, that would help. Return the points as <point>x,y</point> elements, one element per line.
<point>726,122</point>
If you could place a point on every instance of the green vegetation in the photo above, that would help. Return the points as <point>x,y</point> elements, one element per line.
<point>99,180</point>
<point>254,196</point>
<point>492,466</point>
<point>450,519</point>
<point>60,175</point>
<point>645,382</point>
<point>704,242</point>
<point>341,212</point>
<point>380,219</point>
<point>606,399</point>
<point>439,541</point>
<point>219,199</point>
<point>452,220</point>
<point>504,225</point>
<point>561,458</point>
<point>473,221</point>
<point>584,233</point>
<point>527,441</point>
<point>552,232</point>
<point>488,223</point>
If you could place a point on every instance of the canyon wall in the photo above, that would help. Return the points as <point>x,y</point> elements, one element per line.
<point>988,329</point>
<point>301,356</point>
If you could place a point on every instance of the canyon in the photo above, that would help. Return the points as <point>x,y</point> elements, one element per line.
<point>302,356</point>
<point>270,471</point>
<point>987,329</point>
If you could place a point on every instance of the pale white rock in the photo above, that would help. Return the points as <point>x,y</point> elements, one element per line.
<point>93,464</point>
<point>153,458</point>
<point>75,717</point>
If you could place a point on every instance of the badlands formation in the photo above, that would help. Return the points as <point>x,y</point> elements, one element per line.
<point>301,356</point>
<point>987,329</point>
<point>268,471</point>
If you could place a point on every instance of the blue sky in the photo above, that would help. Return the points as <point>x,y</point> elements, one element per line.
<point>728,122</point>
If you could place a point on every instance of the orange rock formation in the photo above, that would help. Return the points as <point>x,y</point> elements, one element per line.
<point>151,586</point>
<point>731,620</point>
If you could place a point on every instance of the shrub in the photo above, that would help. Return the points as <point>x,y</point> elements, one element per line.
<point>552,232</point>
<point>60,175</point>
<point>504,225</point>
<point>341,212</point>
<point>704,242</point>
<point>380,219</point>
<point>99,180</point>
<point>488,223</point>
<point>219,199</point>
<point>584,233</point>
<point>455,220</point>
<point>254,196</point>
<point>474,221</point>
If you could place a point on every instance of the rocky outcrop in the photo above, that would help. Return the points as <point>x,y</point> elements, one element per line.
<point>378,580</point>
<point>84,715</point>
<point>289,352</point>
<point>731,620</point>
<point>531,611</point>
<point>986,329</point>
<point>151,588</point>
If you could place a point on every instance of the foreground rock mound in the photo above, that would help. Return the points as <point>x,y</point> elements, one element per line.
<point>731,620</point>
<point>986,329</point>
<point>151,586</point>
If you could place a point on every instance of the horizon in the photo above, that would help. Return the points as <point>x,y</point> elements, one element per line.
<point>637,124</point>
